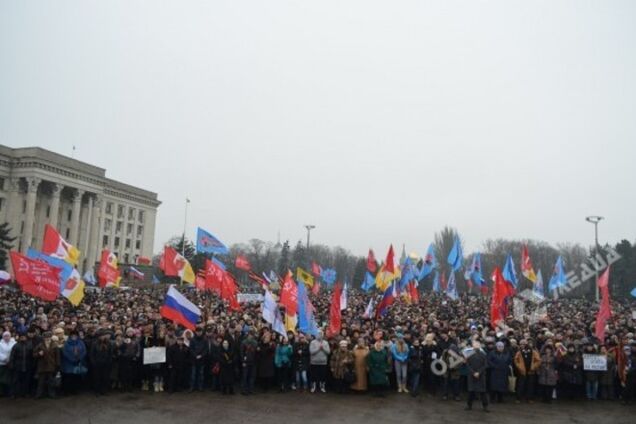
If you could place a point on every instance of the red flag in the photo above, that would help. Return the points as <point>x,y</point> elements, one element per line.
<point>199,281</point>
<point>389,266</point>
<point>229,291</point>
<point>241,262</point>
<point>605,310</point>
<point>315,269</point>
<point>260,280</point>
<point>108,272</point>
<point>372,264</point>
<point>37,278</point>
<point>414,293</point>
<point>168,263</point>
<point>289,294</point>
<point>335,317</point>
<point>214,276</point>
<point>316,288</point>
<point>501,290</point>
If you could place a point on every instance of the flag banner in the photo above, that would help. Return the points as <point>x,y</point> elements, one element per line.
<point>537,287</point>
<point>272,315</point>
<point>558,278</point>
<point>455,256</point>
<point>315,269</point>
<point>135,273</point>
<point>289,294</point>
<point>328,275</point>
<point>369,282</point>
<point>66,269</point>
<point>74,288</point>
<point>108,273</point>
<point>180,310</point>
<point>389,296</point>
<point>174,265</point>
<point>429,263</point>
<point>36,277</point>
<point>509,272</point>
<point>372,264</point>
<point>241,262</point>
<point>54,245</point>
<point>207,243</point>
<point>306,321</point>
<point>304,277</point>
<point>451,289</point>
<point>335,316</point>
<point>526,265</point>
<point>389,265</point>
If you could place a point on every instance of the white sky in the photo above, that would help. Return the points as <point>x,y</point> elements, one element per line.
<point>379,122</point>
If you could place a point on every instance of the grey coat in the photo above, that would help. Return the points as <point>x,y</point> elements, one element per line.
<point>547,371</point>
<point>477,362</point>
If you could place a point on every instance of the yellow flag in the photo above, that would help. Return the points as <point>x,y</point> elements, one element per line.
<point>305,277</point>
<point>290,323</point>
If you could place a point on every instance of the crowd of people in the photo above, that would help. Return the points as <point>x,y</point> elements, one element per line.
<point>445,348</point>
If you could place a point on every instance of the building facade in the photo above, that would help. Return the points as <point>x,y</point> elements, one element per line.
<point>90,211</point>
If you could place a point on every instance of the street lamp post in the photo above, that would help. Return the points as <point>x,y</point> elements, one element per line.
<point>595,220</point>
<point>309,228</point>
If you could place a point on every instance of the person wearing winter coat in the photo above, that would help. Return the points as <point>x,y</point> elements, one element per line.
<point>570,367</point>
<point>547,373</point>
<point>21,364</point>
<point>73,363</point>
<point>341,362</point>
<point>319,351</point>
<point>177,357</point>
<point>527,362</point>
<point>227,364</point>
<point>377,364</point>
<point>591,377</point>
<point>6,345</point>
<point>360,353</point>
<point>101,356</point>
<point>198,354</point>
<point>283,364</point>
<point>265,361</point>
<point>400,355</point>
<point>248,353</point>
<point>477,364</point>
<point>455,368</point>
<point>499,362</point>
<point>129,355</point>
<point>300,364</point>
<point>416,356</point>
<point>608,377</point>
<point>47,357</point>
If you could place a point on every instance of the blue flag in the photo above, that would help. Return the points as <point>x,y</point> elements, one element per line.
<point>328,275</point>
<point>509,273</point>
<point>407,274</point>
<point>537,289</point>
<point>559,278</point>
<point>306,321</point>
<point>65,267</point>
<point>436,284</point>
<point>456,257</point>
<point>429,264</point>
<point>369,282</point>
<point>633,292</point>
<point>207,243</point>
<point>451,289</point>
<point>475,270</point>
<point>219,263</point>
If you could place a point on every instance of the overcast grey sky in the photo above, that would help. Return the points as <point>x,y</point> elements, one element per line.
<point>378,121</point>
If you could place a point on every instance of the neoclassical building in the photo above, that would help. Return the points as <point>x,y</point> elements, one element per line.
<point>90,211</point>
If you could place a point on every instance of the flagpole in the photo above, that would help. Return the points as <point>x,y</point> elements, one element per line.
<point>185,222</point>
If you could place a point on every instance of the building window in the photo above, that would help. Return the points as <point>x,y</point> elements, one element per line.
<point>129,229</point>
<point>127,243</point>
<point>140,216</point>
<point>21,228</point>
<point>48,211</point>
<point>24,206</point>
<point>116,241</point>
<point>120,211</point>
<point>105,241</point>
<point>1,203</point>
<point>140,231</point>
<point>118,227</point>
<point>131,214</point>
<point>68,233</point>
<point>69,215</point>
<point>108,223</point>
<point>109,208</point>
<point>2,183</point>
<point>138,244</point>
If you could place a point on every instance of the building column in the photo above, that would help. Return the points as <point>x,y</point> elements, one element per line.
<point>56,189</point>
<point>13,206</point>
<point>32,190</point>
<point>75,217</point>
<point>93,232</point>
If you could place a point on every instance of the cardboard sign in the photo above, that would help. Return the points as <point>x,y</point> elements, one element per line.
<point>594,362</point>
<point>154,355</point>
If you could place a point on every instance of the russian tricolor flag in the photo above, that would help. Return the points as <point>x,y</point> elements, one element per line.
<point>180,310</point>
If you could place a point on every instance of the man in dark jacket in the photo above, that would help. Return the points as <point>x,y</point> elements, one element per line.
<point>198,355</point>
<point>47,356</point>
<point>477,363</point>
<point>21,363</point>
<point>416,357</point>
<point>248,364</point>
<point>101,355</point>
<point>177,357</point>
